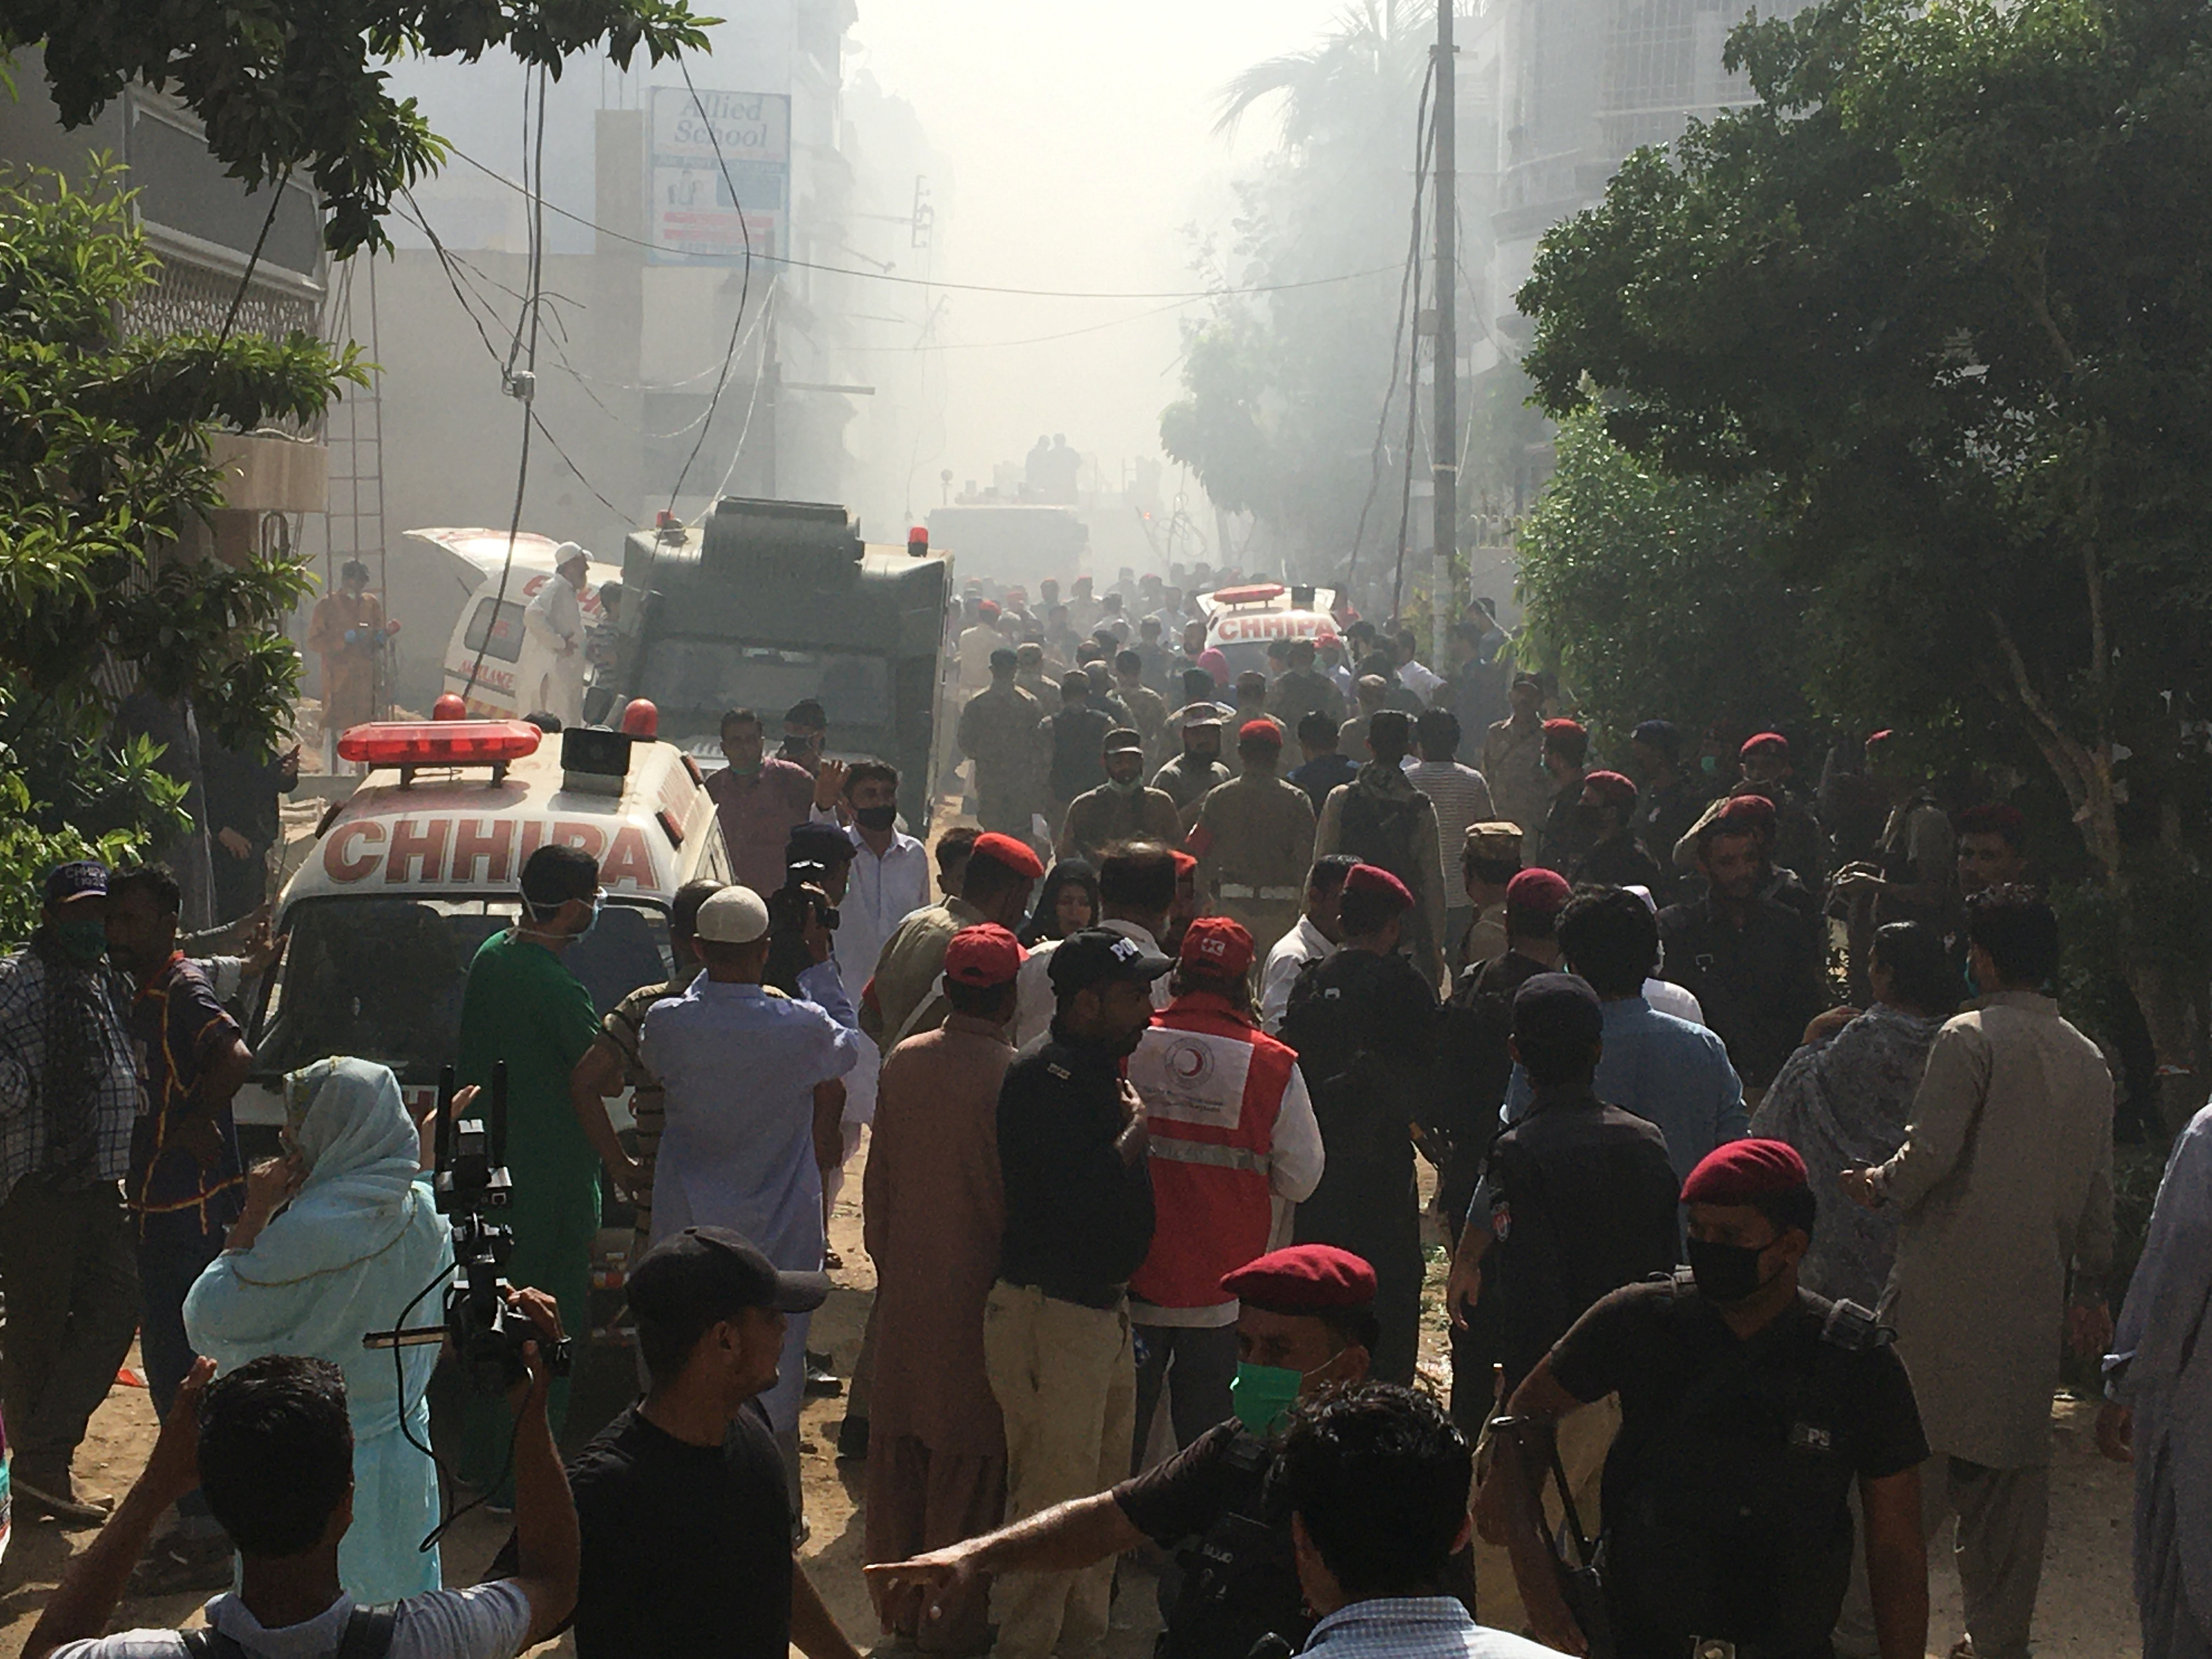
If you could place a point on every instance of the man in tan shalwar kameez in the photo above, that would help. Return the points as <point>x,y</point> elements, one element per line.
<point>933,1211</point>
<point>2005,1182</point>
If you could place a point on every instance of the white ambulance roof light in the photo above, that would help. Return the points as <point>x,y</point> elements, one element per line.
<point>440,743</point>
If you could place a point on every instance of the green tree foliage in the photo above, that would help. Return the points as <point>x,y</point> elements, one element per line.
<point>103,472</point>
<point>1656,596</point>
<point>280,86</point>
<point>1942,290</point>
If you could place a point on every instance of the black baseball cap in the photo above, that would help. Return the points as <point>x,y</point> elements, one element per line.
<point>709,1272</point>
<point>1094,955</point>
<point>824,843</point>
<point>1555,1009</point>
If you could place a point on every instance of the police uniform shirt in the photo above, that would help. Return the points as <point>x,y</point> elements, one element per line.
<point>1242,1580</point>
<point>1724,1495</point>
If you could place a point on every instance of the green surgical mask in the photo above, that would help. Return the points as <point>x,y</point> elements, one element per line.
<point>1262,1396</point>
<point>83,942</point>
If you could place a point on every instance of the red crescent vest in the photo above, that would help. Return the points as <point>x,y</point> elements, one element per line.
<point>1212,1084</point>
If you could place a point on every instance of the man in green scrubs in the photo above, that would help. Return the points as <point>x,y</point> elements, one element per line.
<point>523,1005</point>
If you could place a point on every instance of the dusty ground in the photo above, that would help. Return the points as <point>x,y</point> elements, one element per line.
<point>2085,1614</point>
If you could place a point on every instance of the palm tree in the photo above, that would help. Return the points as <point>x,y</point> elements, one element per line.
<point>1352,85</point>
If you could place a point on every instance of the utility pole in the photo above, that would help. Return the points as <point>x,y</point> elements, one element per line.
<point>1445,506</point>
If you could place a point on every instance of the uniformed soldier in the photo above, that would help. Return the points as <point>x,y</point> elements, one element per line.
<point>1254,837</point>
<point>1306,1324</point>
<point>1194,774</point>
<point>1038,674</point>
<point>1750,1410</point>
<point>1121,808</point>
<point>1489,859</point>
<point>1363,1023</point>
<point>999,732</point>
<point>1148,709</point>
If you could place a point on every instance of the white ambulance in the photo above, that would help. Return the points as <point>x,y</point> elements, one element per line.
<point>514,667</point>
<point>419,867</point>
<point>1240,622</point>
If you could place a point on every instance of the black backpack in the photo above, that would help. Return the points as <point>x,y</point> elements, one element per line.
<point>367,1635</point>
<point>1379,830</point>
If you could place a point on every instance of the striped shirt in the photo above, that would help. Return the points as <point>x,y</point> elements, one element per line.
<point>1460,797</point>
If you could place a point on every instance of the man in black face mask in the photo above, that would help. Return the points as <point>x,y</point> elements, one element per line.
<point>1750,1411</point>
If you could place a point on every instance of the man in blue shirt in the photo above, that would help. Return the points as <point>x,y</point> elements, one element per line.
<point>1659,1067</point>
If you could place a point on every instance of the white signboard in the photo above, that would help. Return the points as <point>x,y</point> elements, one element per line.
<point>691,216</point>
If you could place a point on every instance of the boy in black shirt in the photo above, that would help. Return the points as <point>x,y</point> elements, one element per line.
<point>686,1545</point>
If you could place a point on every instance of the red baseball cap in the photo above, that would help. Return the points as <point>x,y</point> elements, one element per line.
<point>1216,944</point>
<point>1305,1279</point>
<point>1262,731</point>
<point>1772,744</point>
<point>1743,1171</point>
<point>1541,892</point>
<point>983,956</point>
<point>1005,850</point>
<point>1611,788</point>
<point>1373,878</point>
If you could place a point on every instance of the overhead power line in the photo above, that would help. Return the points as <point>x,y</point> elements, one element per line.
<point>929,281</point>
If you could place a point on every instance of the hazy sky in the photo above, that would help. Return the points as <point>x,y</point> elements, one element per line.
<point>1079,136</point>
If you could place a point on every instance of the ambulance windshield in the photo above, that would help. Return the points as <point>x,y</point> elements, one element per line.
<point>381,978</point>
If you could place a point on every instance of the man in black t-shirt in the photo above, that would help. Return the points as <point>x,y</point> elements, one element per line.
<point>1307,1323</point>
<point>1750,1410</point>
<point>687,1528</point>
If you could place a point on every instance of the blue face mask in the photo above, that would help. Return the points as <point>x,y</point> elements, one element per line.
<point>83,942</point>
<point>584,932</point>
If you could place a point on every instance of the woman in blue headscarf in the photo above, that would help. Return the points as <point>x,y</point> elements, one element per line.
<point>360,1238</point>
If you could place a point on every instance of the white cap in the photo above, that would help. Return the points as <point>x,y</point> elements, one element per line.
<point>567,553</point>
<point>736,915</point>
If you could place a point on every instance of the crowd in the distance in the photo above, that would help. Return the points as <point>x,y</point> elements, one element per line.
<point>1773,1182</point>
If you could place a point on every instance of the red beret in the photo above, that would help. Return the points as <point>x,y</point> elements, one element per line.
<point>1305,1279</point>
<point>1993,818</point>
<point>1766,742</point>
<point>1544,892</point>
<point>1005,850</point>
<point>1184,863</point>
<point>1261,731</point>
<point>1216,944</point>
<point>1743,1171</point>
<point>987,608</point>
<point>1611,788</point>
<point>1373,878</point>
<point>1561,726</point>
<point>1755,811</point>
<point>982,956</point>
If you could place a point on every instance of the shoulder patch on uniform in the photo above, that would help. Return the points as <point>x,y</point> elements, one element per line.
<point>1850,1327</point>
<point>1058,1070</point>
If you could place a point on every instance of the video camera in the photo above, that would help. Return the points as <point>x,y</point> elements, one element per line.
<point>788,904</point>
<point>470,1182</point>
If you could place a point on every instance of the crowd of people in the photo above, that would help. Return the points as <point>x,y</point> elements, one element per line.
<point>1773,1184</point>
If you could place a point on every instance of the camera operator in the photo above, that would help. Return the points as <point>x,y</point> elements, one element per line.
<point>270,1448</point>
<point>803,918</point>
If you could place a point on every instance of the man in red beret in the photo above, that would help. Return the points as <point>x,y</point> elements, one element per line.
<point>1383,820</point>
<point>1758,969</point>
<point>1233,1131</point>
<point>976,643</point>
<point>1561,840</point>
<point>935,1214</point>
<point>1363,1023</point>
<point>1305,1322</point>
<point>1605,816</point>
<point>1751,1410</point>
<point>903,996</point>
<point>1254,839</point>
<point>1797,842</point>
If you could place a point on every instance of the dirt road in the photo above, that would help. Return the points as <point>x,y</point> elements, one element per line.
<point>2086,1611</point>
